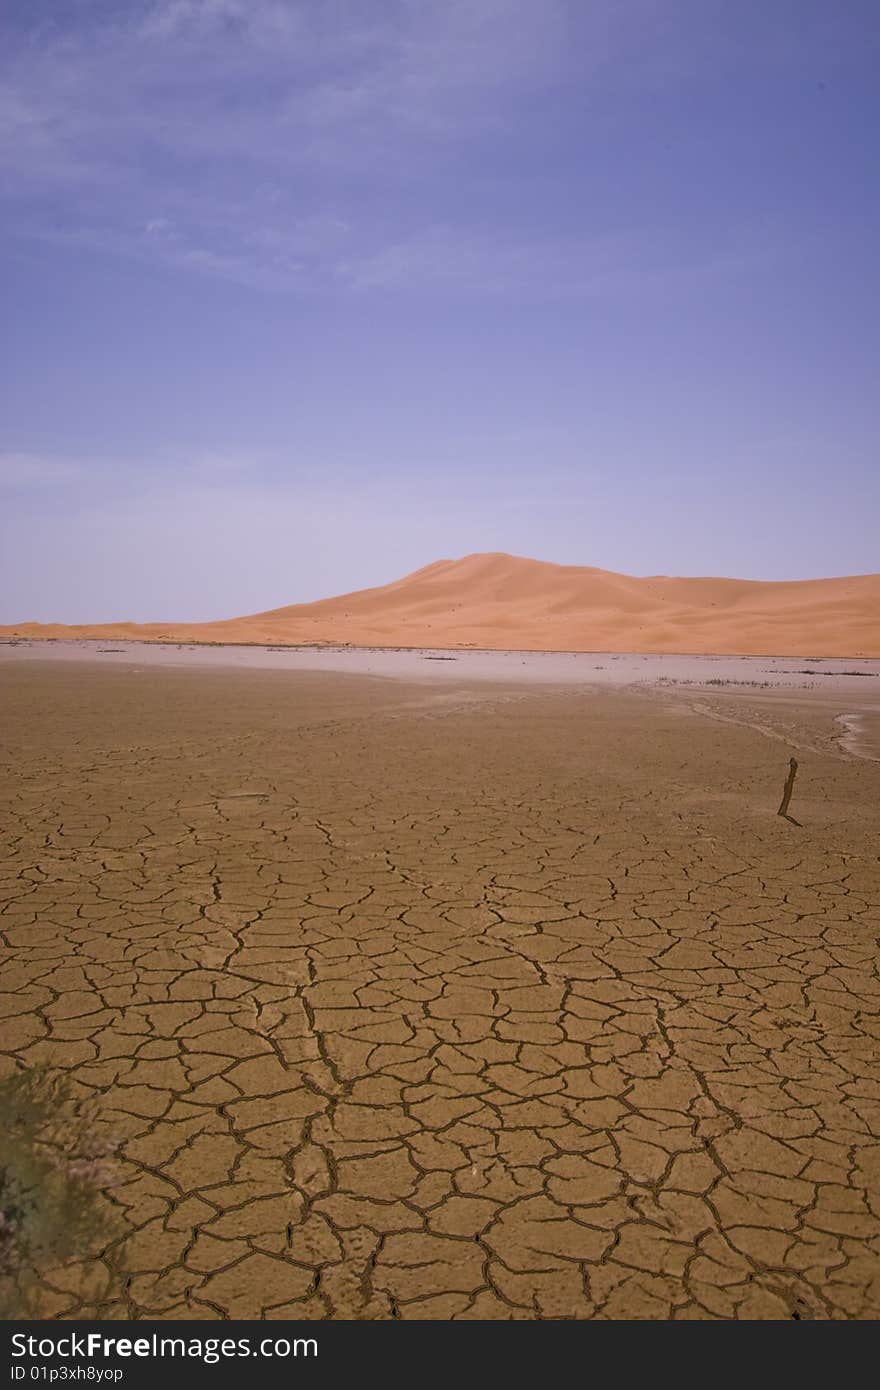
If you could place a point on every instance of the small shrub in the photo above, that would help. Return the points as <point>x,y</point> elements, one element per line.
<point>756,685</point>
<point>54,1167</point>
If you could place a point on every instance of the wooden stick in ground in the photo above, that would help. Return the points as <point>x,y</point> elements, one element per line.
<point>789,788</point>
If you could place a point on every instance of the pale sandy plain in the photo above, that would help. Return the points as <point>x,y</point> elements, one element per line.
<point>504,602</point>
<point>484,987</point>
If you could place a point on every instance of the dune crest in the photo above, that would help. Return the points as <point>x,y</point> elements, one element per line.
<point>498,602</point>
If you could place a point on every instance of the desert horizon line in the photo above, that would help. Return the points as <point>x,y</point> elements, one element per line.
<point>434,565</point>
<point>626,574</point>
<point>500,602</point>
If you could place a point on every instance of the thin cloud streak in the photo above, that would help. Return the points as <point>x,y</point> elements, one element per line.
<point>272,145</point>
<point>258,100</point>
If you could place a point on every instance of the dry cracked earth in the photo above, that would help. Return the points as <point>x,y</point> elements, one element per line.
<point>488,1003</point>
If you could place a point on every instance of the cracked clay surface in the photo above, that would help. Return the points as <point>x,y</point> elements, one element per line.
<point>497,1004</point>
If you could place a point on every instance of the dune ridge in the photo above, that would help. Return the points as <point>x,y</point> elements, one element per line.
<point>501,602</point>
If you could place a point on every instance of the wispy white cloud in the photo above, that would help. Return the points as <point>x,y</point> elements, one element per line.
<point>295,145</point>
<point>24,472</point>
<point>275,142</point>
<point>70,480</point>
<point>221,529</point>
<point>632,262</point>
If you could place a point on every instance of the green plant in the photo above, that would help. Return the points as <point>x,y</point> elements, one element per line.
<point>54,1167</point>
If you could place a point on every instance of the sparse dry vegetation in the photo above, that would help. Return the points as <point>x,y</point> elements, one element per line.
<point>55,1163</point>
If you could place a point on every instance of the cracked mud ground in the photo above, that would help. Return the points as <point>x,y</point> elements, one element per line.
<point>487,1004</point>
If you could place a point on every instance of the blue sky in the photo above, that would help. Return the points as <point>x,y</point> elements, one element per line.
<point>301,295</point>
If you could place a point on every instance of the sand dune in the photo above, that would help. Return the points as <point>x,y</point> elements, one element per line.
<point>501,601</point>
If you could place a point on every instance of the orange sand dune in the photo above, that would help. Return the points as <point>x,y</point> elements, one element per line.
<point>502,602</point>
